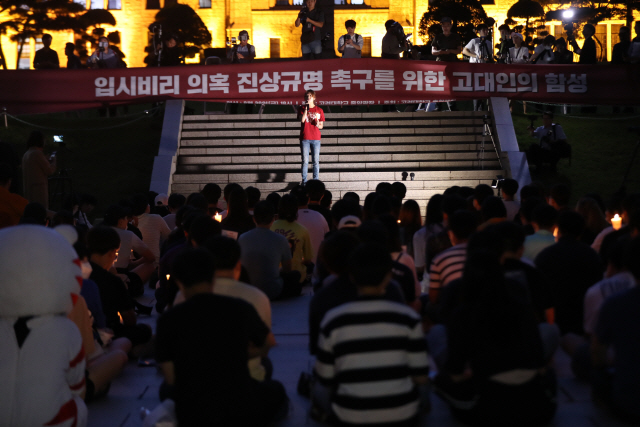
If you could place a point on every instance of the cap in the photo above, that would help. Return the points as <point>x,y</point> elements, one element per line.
<point>445,19</point>
<point>161,200</point>
<point>349,221</point>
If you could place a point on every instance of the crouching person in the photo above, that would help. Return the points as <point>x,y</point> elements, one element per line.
<point>371,355</point>
<point>201,346</point>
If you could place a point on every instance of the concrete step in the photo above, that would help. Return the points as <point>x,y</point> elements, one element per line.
<point>365,124</point>
<point>337,116</point>
<point>352,158</point>
<point>460,137</point>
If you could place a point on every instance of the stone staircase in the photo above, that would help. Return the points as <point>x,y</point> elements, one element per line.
<point>359,150</point>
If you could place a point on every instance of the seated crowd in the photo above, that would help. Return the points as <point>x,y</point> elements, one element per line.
<point>472,302</point>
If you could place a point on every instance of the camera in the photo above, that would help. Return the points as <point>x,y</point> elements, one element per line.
<point>303,15</point>
<point>102,46</point>
<point>347,37</point>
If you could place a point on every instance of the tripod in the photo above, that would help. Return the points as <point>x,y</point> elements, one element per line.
<point>486,131</point>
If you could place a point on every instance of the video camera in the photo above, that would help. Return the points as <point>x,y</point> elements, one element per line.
<point>397,30</point>
<point>303,14</point>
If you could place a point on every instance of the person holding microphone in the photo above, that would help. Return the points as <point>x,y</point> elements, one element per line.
<point>311,122</point>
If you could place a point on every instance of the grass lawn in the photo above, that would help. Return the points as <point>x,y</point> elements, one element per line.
<point>116,163</point>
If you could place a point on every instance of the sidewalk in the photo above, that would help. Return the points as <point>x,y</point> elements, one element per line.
<point>138,387</point>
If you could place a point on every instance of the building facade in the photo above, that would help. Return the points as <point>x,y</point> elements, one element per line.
<point>271,25</point>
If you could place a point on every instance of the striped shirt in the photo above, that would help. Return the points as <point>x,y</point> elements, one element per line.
<point>369,349</point>
<point>447,266</point>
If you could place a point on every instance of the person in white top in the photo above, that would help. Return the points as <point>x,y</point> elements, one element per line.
<point>518,54</point>
<point>543,53</point>
<point>115,216</point>
<point>153,228</point>
<point>479,51</point>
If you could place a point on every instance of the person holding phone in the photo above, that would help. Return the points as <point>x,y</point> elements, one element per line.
<point>311,122</point>
<point>350,45</point>
<point>104,57</point>
<point>36,169</point>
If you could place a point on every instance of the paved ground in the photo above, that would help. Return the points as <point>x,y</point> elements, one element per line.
<point>138,386</point>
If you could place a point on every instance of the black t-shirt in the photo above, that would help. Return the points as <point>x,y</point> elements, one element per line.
<point>571,268</point>
<point>113,294</point>
<point>537,288</point>
<point>73,62</point>
<point>46,58</point>
<point>206,338</point>
<point>442,42</point>
<point>588,53</point>
<point>619,52</point>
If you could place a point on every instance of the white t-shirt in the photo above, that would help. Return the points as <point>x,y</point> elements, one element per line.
<point>518,56</point>
<point>475,47</point>
<point>597,242</point>
<point>128,242</point>
<point>598,293</point>
<point>350,51</point>
<point>316,225</point>
<point>544,57</point>
<point>154,231</point>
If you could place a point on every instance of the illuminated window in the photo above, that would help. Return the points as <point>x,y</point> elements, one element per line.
<point>357,1</point>
<point>114,5</point>
<point>97,4</point>
<point>205,4</point>
<point>297,2</point>
<point>366,47</point>
<point>274,48</point>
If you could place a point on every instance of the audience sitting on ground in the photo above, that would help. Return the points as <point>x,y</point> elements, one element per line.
<point>203,346</point>
<point>509,189</point>
<point>175,202</point>
<point>352,351</point>
<point>312,220</point>
<point>152,227</point>
<point>238,219</point>
<point>266,256</point>
<point>432,226</point>
<point>316,191</point>
<point>543,220</point>
<point>212,193</point>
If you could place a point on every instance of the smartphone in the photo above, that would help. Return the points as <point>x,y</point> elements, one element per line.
<point>58,138</point>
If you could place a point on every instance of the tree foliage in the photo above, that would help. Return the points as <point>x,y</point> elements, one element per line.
<point>465,16</point>
<point>182,21</point>
<point>531,11</point>
<point>90,30</point>
<point>31,18</point>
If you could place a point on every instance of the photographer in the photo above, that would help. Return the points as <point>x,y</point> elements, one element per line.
<point>244,52</point>
<point>393,43</point>
<point>104,57</point>
<point>553,143</point>
<point>312,20</point>
<point>446,46</point>
<point>350,45</point>
<point>479,51</point>
<point>506,43</point>
<point>171,52</point>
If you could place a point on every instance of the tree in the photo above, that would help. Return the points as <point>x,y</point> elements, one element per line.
<point>182,21</point>
<point>528,10</point>
<point>30,18</point>
<point>465,15</point>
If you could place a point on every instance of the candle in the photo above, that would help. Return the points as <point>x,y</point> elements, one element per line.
<point>120,317</point>
<point>616,222</point>
<point>217,217</point>
<point>168,276</point>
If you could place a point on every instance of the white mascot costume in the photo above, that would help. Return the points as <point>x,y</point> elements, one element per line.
<point>41,358</point>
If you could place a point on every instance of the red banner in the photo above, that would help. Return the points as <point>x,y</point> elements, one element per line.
<point>336,81</point>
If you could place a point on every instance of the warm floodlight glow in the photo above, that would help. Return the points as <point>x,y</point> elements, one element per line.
<point>567,14</point>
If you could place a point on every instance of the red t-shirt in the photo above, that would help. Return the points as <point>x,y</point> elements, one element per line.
<point>308,129</point>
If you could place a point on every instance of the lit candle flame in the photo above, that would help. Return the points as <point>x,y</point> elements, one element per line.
<point>168,276</point>
<point>616,222</point>
<point>217,217</point>
<point>120,317</point>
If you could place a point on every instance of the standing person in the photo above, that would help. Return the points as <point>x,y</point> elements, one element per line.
<point>588,53</point>
<point>73,61</point>
<point>620,50</point>
<point>312,19</point>
<point>543,53</point>
<point>552,140</point>
<point>46,58</point>
<point>391,49</point>
<point>506,43</point>
<point>634,49</point>
<point>36,169</point>
<point>518,54</point>
<point>562,54</point>
<point>312,121</point>
<point>242,53</point>
<point>104,57</point>
<point>172,53</point>
<point>446,47</point>
<point>350,45</point>
<point>479,51</point>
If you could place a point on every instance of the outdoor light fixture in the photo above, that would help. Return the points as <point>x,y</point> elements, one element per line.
<point>567,14</point>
